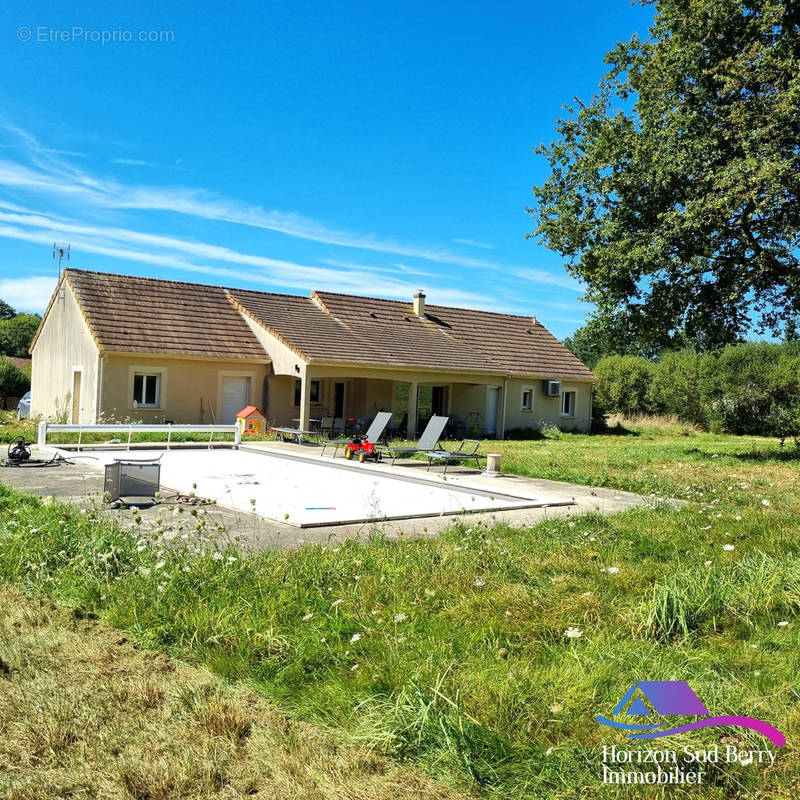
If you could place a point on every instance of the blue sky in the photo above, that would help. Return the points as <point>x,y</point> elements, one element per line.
<point>353,147</point>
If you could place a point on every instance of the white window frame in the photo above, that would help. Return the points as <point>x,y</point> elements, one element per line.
<point>564,394</point>
<point>159,386</point>
<point>527,390</point>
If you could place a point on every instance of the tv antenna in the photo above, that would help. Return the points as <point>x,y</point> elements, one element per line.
<point>61,252</point>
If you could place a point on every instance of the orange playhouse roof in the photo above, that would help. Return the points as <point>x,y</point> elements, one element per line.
<point>248,411</point>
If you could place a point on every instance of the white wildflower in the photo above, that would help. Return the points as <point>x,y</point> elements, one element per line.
<point>782,624</point>
<point>308,616</point>
<point>399,617</point>
<point>217,556</point>
<point>354,638</point>
<point>766,502</point>
<point>573,633</point>
<point>728,547</point>
<point>479,582</point>
<point>337,603</point>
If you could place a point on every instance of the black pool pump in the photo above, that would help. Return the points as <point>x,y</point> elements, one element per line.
<point>18,452</point>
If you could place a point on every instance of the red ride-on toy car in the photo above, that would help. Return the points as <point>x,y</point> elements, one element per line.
<point>361,449</point>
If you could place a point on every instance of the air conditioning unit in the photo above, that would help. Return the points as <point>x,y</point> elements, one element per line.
<point>551,388</point>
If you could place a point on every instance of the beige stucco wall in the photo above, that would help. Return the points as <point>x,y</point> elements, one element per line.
<point>281,409</point>
<point>284,360</point>
<point>547,410</point>
<point>65,345</point>
<point>191,389</point>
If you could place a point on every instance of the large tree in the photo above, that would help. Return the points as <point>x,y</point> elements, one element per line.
<point>675,193</point>
<point>16,334</point>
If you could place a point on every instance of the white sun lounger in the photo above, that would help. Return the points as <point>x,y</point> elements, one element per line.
<point>428,441</point>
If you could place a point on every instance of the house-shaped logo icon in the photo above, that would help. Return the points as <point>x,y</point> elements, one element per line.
<point>668,698</point>
<point>674,699</point>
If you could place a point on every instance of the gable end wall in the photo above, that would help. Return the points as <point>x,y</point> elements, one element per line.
<point>64,344</point>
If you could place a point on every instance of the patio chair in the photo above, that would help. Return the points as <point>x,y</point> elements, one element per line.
<point>326,426</point>
<point>466,451</point>
<point>373,434</point>
<point>428,441</point>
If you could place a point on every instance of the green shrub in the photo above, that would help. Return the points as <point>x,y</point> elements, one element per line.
<point>675,387</point>
<point>13,381</point>
<point>623,385</point>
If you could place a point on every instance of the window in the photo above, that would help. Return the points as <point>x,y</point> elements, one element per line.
<point>314,392</point>
<point>527,399</point>
<point>146,390</point>
<point>568,404</point>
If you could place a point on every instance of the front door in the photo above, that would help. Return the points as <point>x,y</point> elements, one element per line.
<point>491,410</point>
<point>338,400</point>
<point>235,396</point>
<point>75,412</point>
<point>439,401</point>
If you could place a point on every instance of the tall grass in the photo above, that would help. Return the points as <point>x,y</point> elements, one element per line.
<point>452,651</point>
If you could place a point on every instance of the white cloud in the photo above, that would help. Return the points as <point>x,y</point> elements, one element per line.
<point>54,176</point>
<point>28,294</point>
<point>473,243</point>
<point>171,253</point>
<point>133,162</point>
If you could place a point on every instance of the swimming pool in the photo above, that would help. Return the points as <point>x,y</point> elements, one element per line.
<point>309,491</point>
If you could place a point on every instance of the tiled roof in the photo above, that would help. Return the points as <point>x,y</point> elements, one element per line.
<point>21,363</point>
<point>362,330</point>
<point>449,337</point>
<point>145,315</point>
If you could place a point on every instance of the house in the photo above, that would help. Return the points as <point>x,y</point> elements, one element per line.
<point>121,347</point>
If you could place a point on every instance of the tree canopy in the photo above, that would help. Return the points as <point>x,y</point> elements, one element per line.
<point>16,334</point>
<point>675,193</point>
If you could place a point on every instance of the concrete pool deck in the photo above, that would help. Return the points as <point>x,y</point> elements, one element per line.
<point>82,485</point>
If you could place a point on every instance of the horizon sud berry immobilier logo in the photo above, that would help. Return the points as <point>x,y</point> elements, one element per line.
<point>675,699</point>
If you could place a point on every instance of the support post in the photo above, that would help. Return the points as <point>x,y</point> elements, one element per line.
<point>501,426</point>
<point>413,388</point>
<point>42,437</point>
<point>305,401</point>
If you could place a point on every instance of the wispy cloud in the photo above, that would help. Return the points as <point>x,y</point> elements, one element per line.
<point>108,217</point>
<point>51,176</point>
<point>27,294</point>
<point>473,243</point>
<point>133,162</point>
<point>192,256</point>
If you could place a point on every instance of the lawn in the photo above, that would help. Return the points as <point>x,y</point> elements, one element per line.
<point>86,714</point>
<point>452,653</point>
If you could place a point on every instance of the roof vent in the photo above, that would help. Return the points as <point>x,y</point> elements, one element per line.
<point>419,303</point>
<point>534,320</point>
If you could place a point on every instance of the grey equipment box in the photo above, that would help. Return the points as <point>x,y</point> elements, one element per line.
<point>132,479</point>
